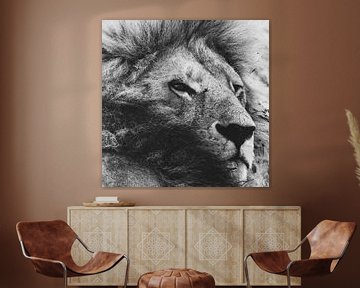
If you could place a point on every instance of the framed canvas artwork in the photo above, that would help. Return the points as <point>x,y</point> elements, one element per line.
<point>185,103</point>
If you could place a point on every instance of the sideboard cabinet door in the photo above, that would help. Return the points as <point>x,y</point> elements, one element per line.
<point>156,240</point>
<point>214,244</point>
<point>271,229</point>
<point>101,230</point>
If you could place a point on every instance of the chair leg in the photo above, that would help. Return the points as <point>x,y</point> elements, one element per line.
<point>288,278</point>
<point>127,271</point>
<point>65,275</point>
<point>246,270</point>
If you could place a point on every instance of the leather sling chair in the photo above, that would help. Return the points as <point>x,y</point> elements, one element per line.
<point>328,242</point>
<point>48,245</point>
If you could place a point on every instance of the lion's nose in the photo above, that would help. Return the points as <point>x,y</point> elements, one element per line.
<point>235,133</point>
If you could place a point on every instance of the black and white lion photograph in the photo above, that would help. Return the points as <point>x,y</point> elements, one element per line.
<point>185,103</point>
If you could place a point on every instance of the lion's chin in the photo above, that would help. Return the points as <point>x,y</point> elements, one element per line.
<point>240,172</point>
<point>240,165</point>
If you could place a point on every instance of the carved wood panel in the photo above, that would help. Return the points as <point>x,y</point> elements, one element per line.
<point>270,230</point>
<point>214,241</point>
<point>156,240</point>
<point>101,230</point>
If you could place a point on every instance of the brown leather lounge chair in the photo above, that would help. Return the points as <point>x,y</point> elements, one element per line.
<point>328,242</point>
<point>48,245</point>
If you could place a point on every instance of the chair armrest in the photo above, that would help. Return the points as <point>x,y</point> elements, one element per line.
<point>49,267</point>
<point>281,251</point>
<point>309,267</point>
<point>271,261</point>
<point>298,246</point>
<point>46,260</point>
<point>271,252</point>
<point>267,254</point>
<point>84,245</point>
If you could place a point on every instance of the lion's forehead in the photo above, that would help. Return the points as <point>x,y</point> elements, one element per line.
<point>212,60</point>
<point>204,67</point>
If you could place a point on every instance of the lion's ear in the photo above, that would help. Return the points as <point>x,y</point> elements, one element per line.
<point>106,55</point>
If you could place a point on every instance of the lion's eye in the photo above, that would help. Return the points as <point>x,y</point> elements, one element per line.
<point>181,89</point>
<point>236,88</point>
<point>239,91</point>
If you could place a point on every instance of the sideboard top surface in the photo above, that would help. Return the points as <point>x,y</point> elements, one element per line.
<point>194,207</point>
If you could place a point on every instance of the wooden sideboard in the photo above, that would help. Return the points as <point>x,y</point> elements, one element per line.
<point>213,239</point>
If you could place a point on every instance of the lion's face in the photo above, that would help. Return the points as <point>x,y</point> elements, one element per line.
<point>195,86</point>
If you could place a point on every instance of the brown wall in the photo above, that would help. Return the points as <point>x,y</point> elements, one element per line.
<point>50,115</point>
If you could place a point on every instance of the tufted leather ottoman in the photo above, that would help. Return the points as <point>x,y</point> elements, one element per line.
<point>176,278</point>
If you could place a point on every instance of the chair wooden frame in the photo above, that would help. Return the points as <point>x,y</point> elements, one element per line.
<point>315,265</point>
<point>66,271</point>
